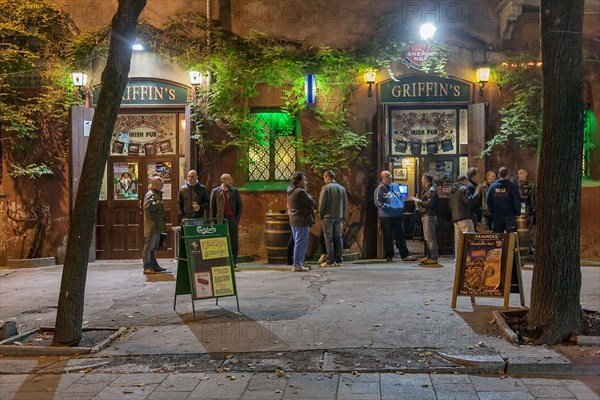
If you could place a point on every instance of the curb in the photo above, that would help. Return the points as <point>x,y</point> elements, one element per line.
<point>8,348</point>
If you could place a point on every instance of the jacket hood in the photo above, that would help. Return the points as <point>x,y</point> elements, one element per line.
<point>291,188</point>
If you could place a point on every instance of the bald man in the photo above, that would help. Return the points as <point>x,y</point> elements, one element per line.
<point>154,225</point>
<point>226,202</point>
<point>192,201</point>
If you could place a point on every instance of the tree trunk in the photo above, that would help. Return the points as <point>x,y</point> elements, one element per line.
<point>69,315</point>
<point>555,309</point>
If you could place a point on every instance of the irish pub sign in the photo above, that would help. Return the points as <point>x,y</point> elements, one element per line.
<point>426,89</point>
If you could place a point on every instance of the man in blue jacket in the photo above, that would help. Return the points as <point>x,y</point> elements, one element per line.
<point>390,203</point>
<point>504,203</point>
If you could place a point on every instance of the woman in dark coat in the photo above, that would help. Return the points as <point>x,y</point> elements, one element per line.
<point>301,207</point>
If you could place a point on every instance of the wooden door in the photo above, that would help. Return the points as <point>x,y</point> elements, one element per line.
<point>167,168</point>
<point>120,226</point>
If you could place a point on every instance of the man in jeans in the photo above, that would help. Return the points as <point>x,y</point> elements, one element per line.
<point>461,204</point>
<point>332,208</point>
<point>154,225</point>
<point>427,203</point>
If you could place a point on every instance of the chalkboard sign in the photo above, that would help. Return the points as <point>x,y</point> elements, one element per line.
<point>484,267</point>
<point>205,265</point>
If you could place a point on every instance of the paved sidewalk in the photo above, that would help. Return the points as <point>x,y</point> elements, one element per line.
<point>266,386</point>
<point>361,331</point>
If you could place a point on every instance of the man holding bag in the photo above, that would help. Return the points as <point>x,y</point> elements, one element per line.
<point>390,203</point>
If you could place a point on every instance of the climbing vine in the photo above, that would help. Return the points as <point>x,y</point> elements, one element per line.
<point>521,116</point>
<point>35,95</point>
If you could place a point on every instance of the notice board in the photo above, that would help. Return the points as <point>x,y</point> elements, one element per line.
<point>484,266</point>
<point>205,265</point>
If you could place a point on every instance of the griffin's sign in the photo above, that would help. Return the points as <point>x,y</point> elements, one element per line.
<point>148,92</point>
<point>426,89</point>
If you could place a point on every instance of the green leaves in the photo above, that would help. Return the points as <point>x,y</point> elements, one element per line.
<point>31,171</point>
<point>522,116</point>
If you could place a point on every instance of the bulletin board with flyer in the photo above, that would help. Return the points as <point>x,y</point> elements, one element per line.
<point>205,265</point>
<point>484,267</point>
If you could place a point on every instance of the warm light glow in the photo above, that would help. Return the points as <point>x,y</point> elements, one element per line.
<point>407,161</point>
<point>79,79</point>
<point>427,31</point>
<point>137,47</point>
<point>196,78</point>
<point>483,74</point>
<point>538,64</point>
<point>370,76</point>
<point>183,124</point>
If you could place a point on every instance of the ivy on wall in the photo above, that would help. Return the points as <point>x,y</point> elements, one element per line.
<point>239,65</point>
<point>522,116</point>
<point>35,95</point>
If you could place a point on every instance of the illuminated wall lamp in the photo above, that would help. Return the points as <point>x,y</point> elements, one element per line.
<point>196,78</point>
<point>370,77</point>
<point>483,76</point>
<point>79,81</point>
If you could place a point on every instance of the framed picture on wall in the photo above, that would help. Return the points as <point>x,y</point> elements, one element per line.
<point>400,174</point>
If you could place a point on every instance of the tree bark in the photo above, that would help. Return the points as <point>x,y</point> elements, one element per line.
<point>69,317</point>
<point>555,309</point>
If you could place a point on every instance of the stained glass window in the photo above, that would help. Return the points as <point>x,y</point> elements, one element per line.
<point>273,158</point>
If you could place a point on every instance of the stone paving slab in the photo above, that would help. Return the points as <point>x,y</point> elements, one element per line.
<point>294,385</point>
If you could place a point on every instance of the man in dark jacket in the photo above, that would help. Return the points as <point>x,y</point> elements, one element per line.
<point>473,187</point>
<point>154,225</point>
<point>302,217</point>
<point>461,205</point>
<point>193,197</point>
<point>504,203</point>
<point>527,193</point>
<point>427,203</point>
<point>226,202</point>
<point>332,208</point>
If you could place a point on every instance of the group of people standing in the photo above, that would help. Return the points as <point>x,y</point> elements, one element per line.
<point>193,201</point>
<point>492,206</point>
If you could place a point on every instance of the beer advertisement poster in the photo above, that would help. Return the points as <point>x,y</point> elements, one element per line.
<point>483,265</point>
<point>222,281</point>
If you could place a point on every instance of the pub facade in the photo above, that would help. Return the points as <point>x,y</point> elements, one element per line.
<point>417,120</point>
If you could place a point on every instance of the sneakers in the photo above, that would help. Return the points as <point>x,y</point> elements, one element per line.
<point>325,264</point>
<point>322,258</point>
<point>158,268</point>
<point>389,259</point>
<point>409,258</point>
<point>337,264</point>
<point>422,259</point>
<point>307,266</point>
<point>429,261</point>
<point>298,268</point>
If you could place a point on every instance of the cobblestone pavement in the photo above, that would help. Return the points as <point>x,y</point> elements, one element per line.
<point>281,385</point>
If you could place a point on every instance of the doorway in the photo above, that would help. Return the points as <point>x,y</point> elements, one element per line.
<point>120,222</point>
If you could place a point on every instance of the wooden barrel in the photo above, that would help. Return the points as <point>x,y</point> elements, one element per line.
<point>277,236</point>
<point>523,236</point>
